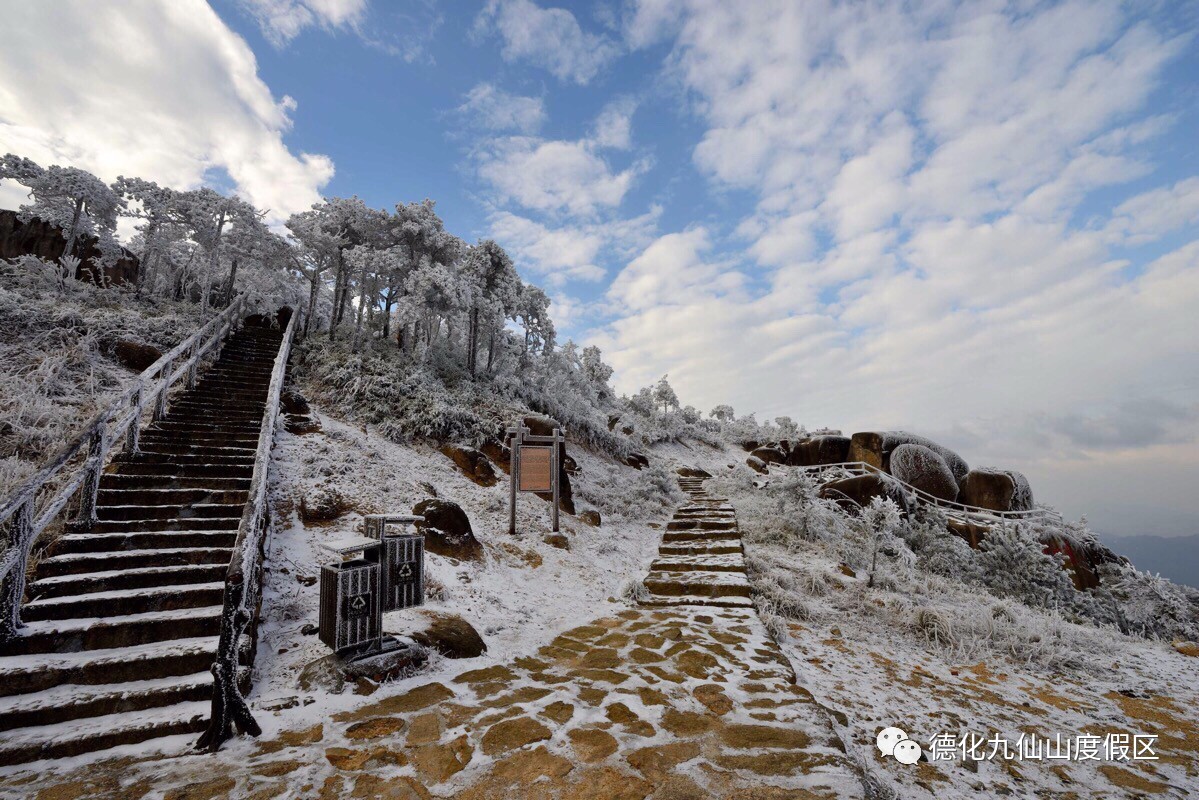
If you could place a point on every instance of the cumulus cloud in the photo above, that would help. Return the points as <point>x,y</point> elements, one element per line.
<point>550,38</point>
<point>926,248</point>
<point>283,20</point>
<point>494,109</point>
<point>163,91</point>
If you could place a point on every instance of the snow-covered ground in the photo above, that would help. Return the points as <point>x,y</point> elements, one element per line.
<point>519,597</point>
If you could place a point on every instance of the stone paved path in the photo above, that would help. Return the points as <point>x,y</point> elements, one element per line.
<point>679,703</point>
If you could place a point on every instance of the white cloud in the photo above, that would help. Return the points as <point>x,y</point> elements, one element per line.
<point>161,91</point>
<point>930,249</point>
<point>283,20</point>
<point>492,108</point>
<point>614,126</point>
<point>572,250</point>
<point>550,38</point>
<point>1150,215</point>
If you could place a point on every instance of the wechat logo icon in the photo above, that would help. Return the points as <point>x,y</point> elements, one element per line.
<point>894,742</point>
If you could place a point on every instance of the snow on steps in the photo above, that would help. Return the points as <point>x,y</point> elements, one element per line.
<point>122,627</point>
<point>76,736</point>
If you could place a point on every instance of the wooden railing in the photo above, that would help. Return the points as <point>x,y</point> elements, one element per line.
<point>243,580</point>
<point>27,513</point>
<point>953,508</point>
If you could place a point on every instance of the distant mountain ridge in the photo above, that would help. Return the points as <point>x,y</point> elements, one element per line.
<point>1175,557</point>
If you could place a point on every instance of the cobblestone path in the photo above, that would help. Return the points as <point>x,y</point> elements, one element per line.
<point>681,703</point>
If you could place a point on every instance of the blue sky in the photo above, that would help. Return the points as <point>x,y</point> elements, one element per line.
<point>979,222</point>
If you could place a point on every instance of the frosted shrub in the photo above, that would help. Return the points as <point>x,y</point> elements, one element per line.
<point>1014,564</point>
<point>635,591</point>
<point>1151,605</point>
<point>933,625</point>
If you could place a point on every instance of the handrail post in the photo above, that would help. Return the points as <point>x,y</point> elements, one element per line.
<point>160,402</point>
<point>193,359</point>
<point>12,587</point>
<point>97,450</point>
<point>133,437</point>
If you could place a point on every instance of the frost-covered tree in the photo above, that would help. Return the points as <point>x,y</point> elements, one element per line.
<point>881,520</point>
<point>597,372</point>
<point>417,228</point>
<point>72,199</point>
<point>494,290</point>
<point>664,395</point>
<point>690,415</point>
<point>724,413</point>
<point>533,313</point>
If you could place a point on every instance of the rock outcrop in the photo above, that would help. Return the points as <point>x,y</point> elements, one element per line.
<point>996,489</point>
<point>757,465</point>
<point>856,492</point>
<point>770,455</point>
<point>135,355</point>
<point>448,634</point>
<point>924,469</point>
<point>875,448</point>
<point>471,463</point>
<point>39,238</point>
<point>447,530</point>
<point>819,450</point>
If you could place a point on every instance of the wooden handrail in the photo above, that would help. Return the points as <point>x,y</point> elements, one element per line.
<point>987,514</point>
<point>20,515</point>
<point>243,579</point>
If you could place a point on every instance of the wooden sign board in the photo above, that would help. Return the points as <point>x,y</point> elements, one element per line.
<point>535,469</point>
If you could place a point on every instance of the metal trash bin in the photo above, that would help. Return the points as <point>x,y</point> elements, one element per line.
<point>402,561</point>
<point>351,613</point>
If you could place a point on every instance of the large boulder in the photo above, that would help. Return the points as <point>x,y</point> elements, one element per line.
<point>498,452</point>
<point>636,461</point>
<point>447,530</point>
<point>757,465</point>
<point>919,466</point>
<point>471,463</point>
<point>770,455</point>
<point>819,450</point>
<point>996,489</point>
<point>40,238</point>
<point>875,448</point>
<point>544,426</point>
<point>971,532</point>
<point>693,472</point>
<point>323,504</point>
<point>856,492</point>
<point>135,355</point>
<point>448,634</point>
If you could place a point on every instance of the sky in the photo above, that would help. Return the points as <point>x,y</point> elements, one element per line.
<point>978,222</point>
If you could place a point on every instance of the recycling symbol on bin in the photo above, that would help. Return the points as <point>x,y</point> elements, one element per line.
<point>404,573</point>
<point>358,605</point>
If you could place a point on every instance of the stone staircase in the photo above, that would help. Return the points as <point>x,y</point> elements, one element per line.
<point>700,561</point>
<point>123,618</point>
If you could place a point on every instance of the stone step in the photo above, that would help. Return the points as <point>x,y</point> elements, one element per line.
<point>700,536</point>
<point>169,496</point>
<point>148,466</point>
<point>704,562</point>
<point>73,701</point>
<point>167,512</point>
<point>189,459</point>
<point>698,584</point>
<point>202,438</point>
<point>27,674</point>
<point>126,579</point>
<point>224,453</point>
<point>73,543</point>
<point>83,563</point>
<point>152,524</point>
<point>73,635</point>
<point>124,602</point>
<point>702,525</point>
<point>700,547</point>
<point>703,602</point>
<point>77,737</point>
<point>113,481</point>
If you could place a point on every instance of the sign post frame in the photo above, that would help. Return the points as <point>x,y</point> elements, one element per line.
<point>520,437</point>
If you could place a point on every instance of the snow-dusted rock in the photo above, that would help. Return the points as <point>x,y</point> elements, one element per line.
<point>819,450</point>
<point>770,455</point>
<point>472,464</point>
<point>921,467</point>
<point>323,504</point>
<point>447,530</point>
<point>448,634</point>
<point>875,448</point>
<point>757,464</point>
<point>996,489</point>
